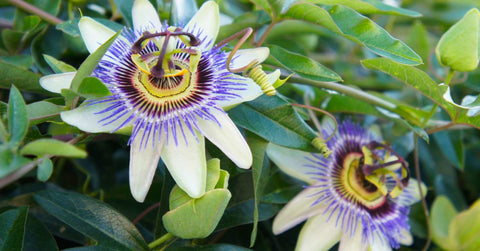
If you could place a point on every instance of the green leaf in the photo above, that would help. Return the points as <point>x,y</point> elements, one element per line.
<point>442,213</point>
<point>42,111</point>
<point>91,63</point>
<point>301,65</point>
<point>459,47</point>
<point>357,28</point>
<point>451,145</point>
<point>37,236</point>
<point>44,170</point>
<point>93,88</point>
<point>42,147</point>
<point>270,117</point>
<point>24,80</point>
<point>418,41</point>
<point>17,117</point>
<point>92,218</point>
<point>57,65</point>
<point>9,162</point>
<point>370,7</point>
<point>260,178</point>
<point>425,85</point>
<point>199,217</point>
<point>213,173</point>
<point>125,7</point>
<point>465,230</point>
<point>23,61</point>
<point>12,229</point>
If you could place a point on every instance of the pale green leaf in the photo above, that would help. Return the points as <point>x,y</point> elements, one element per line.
<point>42,147</point>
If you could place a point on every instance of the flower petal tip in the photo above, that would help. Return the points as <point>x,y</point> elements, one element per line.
<point>94,33</point>
<point>56,82</point>
<point>145,16</point>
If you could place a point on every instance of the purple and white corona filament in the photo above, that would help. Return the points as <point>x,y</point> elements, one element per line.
<point>170,86</point>
<point>360,195</point>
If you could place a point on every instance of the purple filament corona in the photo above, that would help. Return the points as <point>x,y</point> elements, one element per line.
<point>150,118</point>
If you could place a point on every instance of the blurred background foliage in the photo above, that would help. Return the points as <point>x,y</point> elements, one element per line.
<point>61,188</point>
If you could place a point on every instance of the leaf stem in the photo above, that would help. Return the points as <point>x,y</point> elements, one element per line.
<point>160,240</point>
<point>7,180</point>
<point>37,11</point>
<point>422,197</point>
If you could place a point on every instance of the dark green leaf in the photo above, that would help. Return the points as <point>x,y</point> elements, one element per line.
<point>451,147</point>
<point>357,28</point>
<point>241,213</point>
<point>12,229</point>
<point>17,117</point>
<point>90,63</point>
<point>92,218</point>
<point>260,177</point>
<point>215,247</point>
<point>125,7</point>
<point>301,65</point>
<point>24,80</point>
<point>42,147</point>
<point>37,237</point>
<point>274,119</point>
<point>23,61</point>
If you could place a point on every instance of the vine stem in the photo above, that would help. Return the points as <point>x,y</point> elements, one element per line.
<point>424,202</point>
<point>145,212</point>
<point>349,91</point>
<point>265,34</point>
<point>37,11</point>
<point>160,240</point>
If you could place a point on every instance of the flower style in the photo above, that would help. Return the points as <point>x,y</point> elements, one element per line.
<point>170,84</point>
<point>360,195</point>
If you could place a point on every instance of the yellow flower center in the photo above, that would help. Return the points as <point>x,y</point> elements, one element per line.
<point>356,186</point>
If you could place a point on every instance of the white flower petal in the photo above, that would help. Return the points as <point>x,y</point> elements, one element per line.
<point>411,194</point>
<point>406,237</point>
<point>380,243</point>
<point>86,119</point>
<point>207,19</point>
<point>227,138</point>
<point>318,234</point>
<point>300,208</point>
<point>94,33</point>
<point>251,92</point>
<point>144,16</point>
<point>355,242</point>
<point>292,162</point>
<point>57,82</point>
<point>143,164</point>
<point>187,162</point>
<point>244,57</point>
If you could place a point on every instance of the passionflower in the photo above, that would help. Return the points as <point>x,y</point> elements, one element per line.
<point>170,85</point>
<point>360,195</point>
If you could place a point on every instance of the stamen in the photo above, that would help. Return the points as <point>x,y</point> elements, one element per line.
<point>157,70</point>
